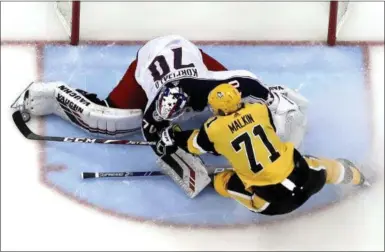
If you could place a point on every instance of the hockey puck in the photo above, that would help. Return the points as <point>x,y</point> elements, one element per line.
<point>26,116</point>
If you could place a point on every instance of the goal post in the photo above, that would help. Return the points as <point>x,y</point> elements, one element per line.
<point>333,14</point>
<point>68,13</point>
<point>338,12</point>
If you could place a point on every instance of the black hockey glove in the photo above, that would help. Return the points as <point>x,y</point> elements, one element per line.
<point>166,144</point>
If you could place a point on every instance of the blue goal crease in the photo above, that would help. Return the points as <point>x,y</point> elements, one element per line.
<point>332,78</point>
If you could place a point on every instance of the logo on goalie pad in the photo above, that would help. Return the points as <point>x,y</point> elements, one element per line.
<point>73,94</point>
<point>66,102</point>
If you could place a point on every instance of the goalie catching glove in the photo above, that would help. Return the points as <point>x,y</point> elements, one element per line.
<point>288,108</point>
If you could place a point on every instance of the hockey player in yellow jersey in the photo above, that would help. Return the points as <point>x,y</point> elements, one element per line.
<point>269,176</point>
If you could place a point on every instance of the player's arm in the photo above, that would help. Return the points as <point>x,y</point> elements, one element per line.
<point>198,89</point>
<point>152,125</point>
<point>128,94</point>
<point>246,82</point>
<point>196,142</point>
<point>211,63</point>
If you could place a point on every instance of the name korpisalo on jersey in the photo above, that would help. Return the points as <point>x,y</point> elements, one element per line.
<point>187,72</point>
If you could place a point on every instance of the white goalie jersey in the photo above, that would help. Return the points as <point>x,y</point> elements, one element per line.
<point>166,59</point>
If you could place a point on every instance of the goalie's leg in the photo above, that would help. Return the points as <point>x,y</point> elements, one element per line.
<point>82,109</point>
<point>187,170</point>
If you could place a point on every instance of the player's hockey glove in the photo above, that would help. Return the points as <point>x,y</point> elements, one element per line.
<point>166,144</point>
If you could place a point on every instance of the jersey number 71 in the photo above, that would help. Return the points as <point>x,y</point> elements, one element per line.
<point>245,138</point>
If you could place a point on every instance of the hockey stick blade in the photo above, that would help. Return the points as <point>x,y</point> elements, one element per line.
<point>23,128</point>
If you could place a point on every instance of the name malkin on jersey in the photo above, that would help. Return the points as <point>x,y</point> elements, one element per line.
<point>240,123</point>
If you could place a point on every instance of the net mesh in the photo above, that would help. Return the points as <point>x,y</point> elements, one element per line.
<point>64,13</point>
<point>342,14</point>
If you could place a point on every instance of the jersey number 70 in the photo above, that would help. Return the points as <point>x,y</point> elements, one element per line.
<point>160,63</point>
<point>245,138</point>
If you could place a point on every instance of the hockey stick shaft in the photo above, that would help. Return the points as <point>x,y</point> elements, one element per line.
<point>23,128</point>
<point>90,175</point>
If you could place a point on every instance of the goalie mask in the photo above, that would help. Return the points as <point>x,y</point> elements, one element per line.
<point>171,103</point>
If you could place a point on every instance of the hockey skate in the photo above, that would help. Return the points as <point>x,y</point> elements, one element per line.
<point>348,164</point>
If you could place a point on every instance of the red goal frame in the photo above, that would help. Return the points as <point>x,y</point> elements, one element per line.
<point>331,36</point>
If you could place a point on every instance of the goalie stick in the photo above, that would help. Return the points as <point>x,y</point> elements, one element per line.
<point>23,128</point>
<point>90,175</point>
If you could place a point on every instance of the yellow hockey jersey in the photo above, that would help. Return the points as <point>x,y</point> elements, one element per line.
<point>248,140</point>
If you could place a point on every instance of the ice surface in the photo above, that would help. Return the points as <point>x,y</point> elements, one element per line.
<point>97,69</point>
<point>36,218</point>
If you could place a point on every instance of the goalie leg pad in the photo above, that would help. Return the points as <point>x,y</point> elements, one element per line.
<point>58,98</point>
<point>191,174</point>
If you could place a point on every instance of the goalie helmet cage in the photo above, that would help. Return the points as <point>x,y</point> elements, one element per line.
<point>69,15</point>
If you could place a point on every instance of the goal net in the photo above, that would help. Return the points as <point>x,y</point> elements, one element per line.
<point>265,21</point>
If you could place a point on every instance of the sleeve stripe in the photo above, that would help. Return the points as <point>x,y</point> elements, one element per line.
<point>196,145</point>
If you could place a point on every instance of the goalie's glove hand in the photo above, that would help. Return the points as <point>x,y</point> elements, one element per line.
<point>166,144</point>
<point>278,102</point>
<point>290,99</point>
<point>278,89</point>
<point>273,100</point>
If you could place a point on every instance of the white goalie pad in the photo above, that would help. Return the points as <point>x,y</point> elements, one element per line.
<point>58,98</point>
<point>289,115</point>
<point>192,178</point>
